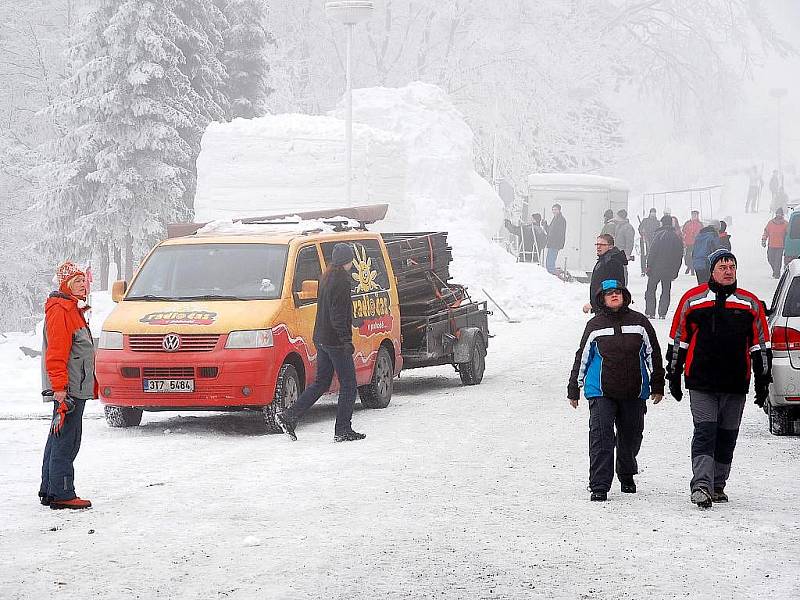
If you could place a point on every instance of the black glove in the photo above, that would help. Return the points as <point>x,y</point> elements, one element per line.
<point>675,387</point>
<point>762,392</point>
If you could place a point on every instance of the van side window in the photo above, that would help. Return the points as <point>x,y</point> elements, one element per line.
<point>778,291</point>
<point>307,267</point>
<point>794,228</point>
<point>370,270</point>
<point>791,307</point>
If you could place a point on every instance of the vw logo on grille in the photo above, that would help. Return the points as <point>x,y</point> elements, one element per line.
<point>171,343</point>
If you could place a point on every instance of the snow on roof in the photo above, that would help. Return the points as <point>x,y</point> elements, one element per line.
<point>284,226</point>
<point>567,180</point>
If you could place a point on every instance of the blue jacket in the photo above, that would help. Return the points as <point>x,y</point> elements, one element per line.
<point>704,244</point>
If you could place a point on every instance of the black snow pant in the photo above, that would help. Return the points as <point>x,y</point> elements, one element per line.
<point>716,419</point>
<point>604,414</point>
<point>58,473</point>
<point>775,259</point>
<point>653,280</point>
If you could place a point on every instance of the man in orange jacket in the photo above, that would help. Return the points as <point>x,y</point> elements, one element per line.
<point>774,239</point>
<point>67,375</point>
<point>689,232</point>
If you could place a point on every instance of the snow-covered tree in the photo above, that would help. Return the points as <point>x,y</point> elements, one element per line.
<point>246,38</point>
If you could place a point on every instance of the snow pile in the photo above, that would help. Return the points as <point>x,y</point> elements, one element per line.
<point>412,150</point>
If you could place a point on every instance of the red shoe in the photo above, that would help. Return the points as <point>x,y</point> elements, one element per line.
<point>73,503</point>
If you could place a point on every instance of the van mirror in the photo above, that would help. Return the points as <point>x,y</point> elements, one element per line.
<point>308,291</point>
<point>118,290</point>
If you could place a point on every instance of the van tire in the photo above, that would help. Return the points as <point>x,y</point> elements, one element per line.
<point>118,416</point>
<point>778,419</point>
<point>378,392</point>
<point>287,391</point>
<point>471,372</point>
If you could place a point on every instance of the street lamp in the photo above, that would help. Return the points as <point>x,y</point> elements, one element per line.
<point>778,94</point>
<point>349,12</point>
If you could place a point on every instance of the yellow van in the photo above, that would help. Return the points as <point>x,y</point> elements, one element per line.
<point>225,322</point>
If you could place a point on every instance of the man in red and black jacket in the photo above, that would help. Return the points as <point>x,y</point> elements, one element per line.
<point>718,335</point>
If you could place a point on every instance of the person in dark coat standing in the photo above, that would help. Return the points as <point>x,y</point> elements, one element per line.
<point>68,376</point>
<point>333,337</point>
<point>664,261</point>
<point>618,364</point>
<point>719,334</point>
<point>705,243</point>
<point>610,264</point>
<point>647,229</point>
<point>556,238</point>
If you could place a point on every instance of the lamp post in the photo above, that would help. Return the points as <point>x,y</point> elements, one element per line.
<point>778,94</point>
<point>350,13</point>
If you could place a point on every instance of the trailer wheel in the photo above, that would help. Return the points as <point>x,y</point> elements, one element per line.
<point>287,391</point>
<point>117,416</point>
<point>778,419</point>
<point>472,372</point>
<point>378,392</point>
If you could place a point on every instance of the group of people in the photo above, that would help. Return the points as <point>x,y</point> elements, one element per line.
<point>539,239</point>
<point>718,334</point>
<point>756,185</point>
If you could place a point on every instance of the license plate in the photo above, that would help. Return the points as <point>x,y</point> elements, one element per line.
<point>168,386</point>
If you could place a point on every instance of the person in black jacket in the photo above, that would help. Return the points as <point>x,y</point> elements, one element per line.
<point>664,261</point>
<point>610,264</point>
<point>618,364</point>
<point>718,334</point>
<point>333,337</point>
<point>556,238</point>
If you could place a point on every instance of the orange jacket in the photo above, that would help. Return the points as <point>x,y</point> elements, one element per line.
<point>775,233</point>
<point>68,348</point>
<point>690,231</point>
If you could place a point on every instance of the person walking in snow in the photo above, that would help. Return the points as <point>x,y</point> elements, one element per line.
<point>704,244</point>
<point>333,337</point>
<point>618,364</point>
<point>724,236</point>
<point>776,189</point>
<point>689,232</point>
<point>610,264</point>
<point>609,224</point>
<point>718,334</point>
<point>774,240</point>
<point>68,375</point>
<point>753,190</point>
<point>647,229</point>
<point>625,236</point>
<point>556,238</point>
<point>663,265</point>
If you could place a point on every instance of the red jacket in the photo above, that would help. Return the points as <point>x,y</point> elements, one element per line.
<point>68,349</point>
<point>690,230</point>
<point>775,232</point>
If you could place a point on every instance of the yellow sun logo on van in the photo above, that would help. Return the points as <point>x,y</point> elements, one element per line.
<point>365,275</point>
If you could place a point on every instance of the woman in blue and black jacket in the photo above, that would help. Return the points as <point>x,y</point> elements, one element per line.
<point>618,364</point>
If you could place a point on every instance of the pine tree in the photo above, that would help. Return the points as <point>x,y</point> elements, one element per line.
<point>246,39</point>
<point>143,87</point>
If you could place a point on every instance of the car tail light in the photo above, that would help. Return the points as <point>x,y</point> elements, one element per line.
<point>785,338</point>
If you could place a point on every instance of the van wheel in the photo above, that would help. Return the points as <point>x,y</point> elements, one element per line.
<point>472,372</point>
<point>378,392</point>
<point>778,419</point>
<point>287,391</point>
<point>117,416</point>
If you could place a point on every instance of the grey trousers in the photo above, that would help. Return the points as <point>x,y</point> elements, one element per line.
<point>716,427</point>
<point>604,414</point>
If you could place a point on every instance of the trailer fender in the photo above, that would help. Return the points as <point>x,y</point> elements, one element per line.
<point>462,351</point>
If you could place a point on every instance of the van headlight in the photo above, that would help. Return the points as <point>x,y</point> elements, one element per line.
<point>254,338</point>
<point>110,340</point>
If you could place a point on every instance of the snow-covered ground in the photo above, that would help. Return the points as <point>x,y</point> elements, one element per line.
<point>457,492</point>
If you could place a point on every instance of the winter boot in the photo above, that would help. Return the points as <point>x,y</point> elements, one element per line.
<point>702,498</point>
<point>599,496</point>
<point>349,436</point>
<point>44,499</point>
<point>286,425</point>
<point>719,495</point>
<point>627,484</point>
<point>73,503</point>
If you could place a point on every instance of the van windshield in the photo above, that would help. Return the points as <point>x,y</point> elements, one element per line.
<point>212,272</point>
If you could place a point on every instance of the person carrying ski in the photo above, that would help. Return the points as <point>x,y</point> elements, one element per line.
<point>333,337</point>
<point>663,265</point>
<point>610,264</point>
<point>68,376</point>
<point>719,333</point>
<point>618,365</point>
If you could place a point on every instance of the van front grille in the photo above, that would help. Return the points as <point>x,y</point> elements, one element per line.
<point>189,342</point>
<point>168,372</point>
